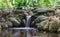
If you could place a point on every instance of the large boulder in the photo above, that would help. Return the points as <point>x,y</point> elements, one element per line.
<point>15,22</point>
<point>57,13</point>
<point>43,25</point>
<point>54,26</point>
<point>51,24</point>
<point>3,25</point>
<point>35,20</point>
<point>58,30</point>
<point>42,11</point>
<point>9,23</point>
<point>41,22</point>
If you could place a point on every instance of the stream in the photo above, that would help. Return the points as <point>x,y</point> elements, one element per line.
<point>23,33</point>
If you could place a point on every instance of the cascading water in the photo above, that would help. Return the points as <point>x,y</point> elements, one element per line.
<point>28,19</point>
<point>26,28</point>
<point>27,23</point>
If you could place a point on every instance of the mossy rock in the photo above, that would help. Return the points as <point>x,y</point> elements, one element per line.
<point>43,25</point>
<point>54,26</point>
<point>58,30</point>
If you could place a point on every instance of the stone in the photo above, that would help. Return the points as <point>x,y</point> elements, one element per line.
<point>43,25</point>
<point>9,23</point>
<point>57,13</point>
<point>4,25</point>
<point>14,21</point>
<point>54,26</point>
<point>58,30</point>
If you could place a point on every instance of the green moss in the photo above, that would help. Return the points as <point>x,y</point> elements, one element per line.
<point>54,26</point>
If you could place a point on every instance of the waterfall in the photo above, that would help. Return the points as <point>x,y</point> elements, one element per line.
<point>27,23</point>
<point>28,19</point>
<point>26,28</point>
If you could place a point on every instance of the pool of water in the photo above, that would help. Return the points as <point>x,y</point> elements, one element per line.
<point>24,33</point>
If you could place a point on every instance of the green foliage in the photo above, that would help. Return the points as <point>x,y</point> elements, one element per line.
<point>25,3</point>
<point>2,4</point>
<point>15,4</point>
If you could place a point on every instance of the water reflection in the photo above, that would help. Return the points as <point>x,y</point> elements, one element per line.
<point>22,33</point>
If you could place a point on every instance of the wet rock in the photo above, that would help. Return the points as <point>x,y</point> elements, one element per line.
<point>21,16</point>
<point>43,25</point>
<point>29,12</point>
<point>37,20</point>
<point>43,10</point>
<point>23,24</point>
<point>15,22</point>
<point>3,25</point>
<point>2,19</point>
<point>9,23</point>
<point>20,12</point>
<point>58,30</point>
